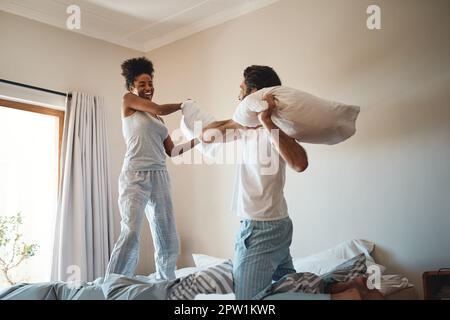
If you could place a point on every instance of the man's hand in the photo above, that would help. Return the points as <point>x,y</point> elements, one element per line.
<point>266,115</point>
<point>291,151</point>
<point>221,131</point>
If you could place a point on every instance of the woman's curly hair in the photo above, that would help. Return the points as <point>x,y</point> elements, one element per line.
<point>133,68</point>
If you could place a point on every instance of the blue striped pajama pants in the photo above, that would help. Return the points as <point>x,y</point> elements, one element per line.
<point>261,255</point>
<point>145,192</point>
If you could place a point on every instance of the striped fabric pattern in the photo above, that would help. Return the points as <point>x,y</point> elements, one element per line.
<point>216,279</point>
<point>219,279</point>
<point>314,284</point>
<point>299,282</point>
<point>347,271</point>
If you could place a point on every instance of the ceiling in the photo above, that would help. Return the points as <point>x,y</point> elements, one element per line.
<point>142,25</point>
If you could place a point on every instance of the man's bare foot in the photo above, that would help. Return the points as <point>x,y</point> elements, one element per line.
<point>349,294</point>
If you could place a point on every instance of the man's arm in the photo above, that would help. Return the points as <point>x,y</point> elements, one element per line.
<point>135,102</point>
<point>176,150</point>
<point>221,131</point>
<point>291,151</point>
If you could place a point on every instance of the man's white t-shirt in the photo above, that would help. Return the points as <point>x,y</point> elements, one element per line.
<point>260,178</point>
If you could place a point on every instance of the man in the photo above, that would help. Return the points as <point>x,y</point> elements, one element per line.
<point>262,251</point>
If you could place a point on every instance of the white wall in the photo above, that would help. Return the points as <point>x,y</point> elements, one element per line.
<point>389,184</point>
<point>44,56</point>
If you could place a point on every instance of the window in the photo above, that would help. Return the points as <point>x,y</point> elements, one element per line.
<point>30,140</point>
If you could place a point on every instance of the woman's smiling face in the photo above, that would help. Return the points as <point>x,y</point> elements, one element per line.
<point>143,86</point>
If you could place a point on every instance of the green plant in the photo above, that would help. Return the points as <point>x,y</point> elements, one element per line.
<point>13,251</point>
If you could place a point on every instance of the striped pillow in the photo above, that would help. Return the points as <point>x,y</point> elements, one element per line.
<point>347,271</point>
<point>215,279</point>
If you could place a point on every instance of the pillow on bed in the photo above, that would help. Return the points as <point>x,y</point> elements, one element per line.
<point>325,261</point>
<point>216,279</point>
<point>349,270</point>
<point>205,261</point>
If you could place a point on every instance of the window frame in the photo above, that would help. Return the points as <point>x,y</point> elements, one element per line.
<point>41,110</point>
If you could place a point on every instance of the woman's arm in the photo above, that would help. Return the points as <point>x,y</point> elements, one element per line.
<point>291,151</point>
<point>176,150</point>
<point>135,102</point>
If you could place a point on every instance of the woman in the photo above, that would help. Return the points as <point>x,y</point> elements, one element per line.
<point>144,184</point>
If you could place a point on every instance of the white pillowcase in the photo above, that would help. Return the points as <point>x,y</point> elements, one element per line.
<point>191,125</point>
<point>205,261</point>
<point>183,272</point>
<point>301,115</point>
<point>325,261</point>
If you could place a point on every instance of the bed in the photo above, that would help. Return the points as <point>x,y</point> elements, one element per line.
<point>392,286</point>
<point>211,279</point>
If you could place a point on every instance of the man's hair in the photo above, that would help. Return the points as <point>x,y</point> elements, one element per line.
<point>133,68</point>
<point>258,77</point>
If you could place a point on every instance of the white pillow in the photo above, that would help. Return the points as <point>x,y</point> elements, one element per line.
<point>191,125</point>
<point>205,261</point>
<point>301,115</point>
<point>325,261</point>
<point>214,279</point>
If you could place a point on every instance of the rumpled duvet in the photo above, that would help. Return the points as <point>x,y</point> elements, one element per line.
<point>118,287</point>
<point>114,287</point>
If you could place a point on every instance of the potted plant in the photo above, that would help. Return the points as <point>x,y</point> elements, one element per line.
<point>13,251</point>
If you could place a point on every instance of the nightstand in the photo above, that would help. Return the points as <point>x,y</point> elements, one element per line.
<point>436,284</point>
